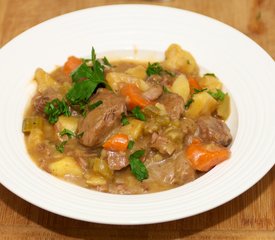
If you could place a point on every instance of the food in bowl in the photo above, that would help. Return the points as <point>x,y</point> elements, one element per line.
<point>128,127</point>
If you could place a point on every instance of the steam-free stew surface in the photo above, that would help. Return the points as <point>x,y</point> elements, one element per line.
<point>128,127</point>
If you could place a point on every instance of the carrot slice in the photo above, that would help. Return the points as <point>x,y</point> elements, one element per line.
<point>71,64</point>
<point>134,96</point>
<point>193,83</point>
<point>203,157</point>
<point>117,142</point>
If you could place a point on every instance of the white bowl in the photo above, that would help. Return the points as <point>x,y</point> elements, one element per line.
<point>246,70</point>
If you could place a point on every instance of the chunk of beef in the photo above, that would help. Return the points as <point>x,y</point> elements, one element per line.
<point>98,123</point>
<point>162,143</point>
<point>153,93</point>
<point>173,170</point>
<point>213,129</point>
<point>173,104</point>
<point>39,103</point>
<point>165,79</point>
<point>117,160</point>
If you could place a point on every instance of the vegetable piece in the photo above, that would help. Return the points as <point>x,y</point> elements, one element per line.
<point>203,157</point>
<point>117,142</point>
<point>124,119</point>
<point>203,104</point>
<point>82,90</point>
<point>138,113</point>
<point>154,68</point>
<point>106,62</point>
<point>223,109</point>
<point>211,82</point>
<point>60,147</point>
<point>44,80</point>
<point>55,108</point>
<point>134,96</point>
<point>115,80</point>
<point>35,138</point>
<point>193,83</point>
<point>101,166</point>
<point>134,129</point>
<point>131,144</point>
<point>96,180</point>
<point>67,132</point>
<point>30,123</point>
<point>137,167</point>
<point>137,71</point>
<point>181,87</point>
<point>218,94</point>
<point>94,105</point>
<point>178,59</point>
<point>69,123</point>
<point>65,166</point>
<point>71,64</point>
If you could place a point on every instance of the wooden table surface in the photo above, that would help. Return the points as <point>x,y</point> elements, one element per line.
<point>249,216</point>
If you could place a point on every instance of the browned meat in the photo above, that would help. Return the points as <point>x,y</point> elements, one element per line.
<point>165,79</point>
<point>173,170</point>
<point>213,129</point>
<point>162,143</point>
<point>98,123</point>
<point>173,104</point>
<point>117,160</point>
<point>153,92</point>
<point>39,103</point>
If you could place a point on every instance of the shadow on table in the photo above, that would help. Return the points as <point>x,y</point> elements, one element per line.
<point>59,226</point>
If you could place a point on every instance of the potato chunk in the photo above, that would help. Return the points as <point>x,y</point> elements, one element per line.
<point>115,78</point>
<point>65,166</point>
<point>134,129</point>
<point>181,87</point>
<point>223,109</point>
<point>69,123</point>
<point>101,166</point>
<point>211,82</point>
<point>138,72</point>
<point>203,104</point>
<point>44,80</point>
<point>178,59</point>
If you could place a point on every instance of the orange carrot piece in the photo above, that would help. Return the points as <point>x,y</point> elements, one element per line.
<point>203,157</point>
<point>193,83</point>
<point>134,96</point>
<point>71,64</point>
<point>117,142</point>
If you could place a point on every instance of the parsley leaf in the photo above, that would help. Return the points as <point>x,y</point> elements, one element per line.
<point>94,105</point>
<point>106,62</point>
<point>154,68</point>
<point>90,78</point>
<point>67,132</point>
<point>55,108</point>
<point>219,95</point>
<point>138,113</point>
<point>60,147</point>
<point>131,144</point>
<point>165,89</point>
<point>137,166</point>
<point>199,90</point>
<point>187,105</point>
<point>210,74</point>
<point>124,119</point>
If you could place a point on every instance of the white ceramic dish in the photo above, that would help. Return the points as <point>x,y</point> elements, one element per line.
<point>247,71</point>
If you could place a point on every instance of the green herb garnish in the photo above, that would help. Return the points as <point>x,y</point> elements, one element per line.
<point>106,62</point>
<point>55,108</point>
<point>219,95</point>
<point>60,147</point>
<point>165,89</point>
<point>137,167</point>
<point>138,113</point>
<point>67,132</point>
<point>124,119</point>
<point>198,90</point>
<point>131,144</point>
<point>187,105</point>
<point>154,68</point>
<point>209,74</point>
<point>94,105</point>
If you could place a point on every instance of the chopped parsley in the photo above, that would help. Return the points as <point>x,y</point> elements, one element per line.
<point>55,108</point>
<point>67,132</point>
<point>209,74</point>
<point>60,147</point>
<point>218,95</point>
<point>94,105</point>
<point>199,90</point>
<point>106,62</point>
<point>124,119</point>
<point>138,113</point>
<point>165,89</point>
<point>137,167</point>
<point>187,105</point>
<point>131,144</point>
<point>156,69</point>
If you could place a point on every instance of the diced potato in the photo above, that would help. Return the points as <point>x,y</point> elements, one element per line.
<point>96,180</point>
<point>178,59</point>
<point>162,109</point>
<point>114,78</point>
<point>36,137</point>
<point>211,82</point>
<point>181,87</point>
<point>69,123</point>
<point>204,104</point>
<point>30,123</point>
<point>65,166</point>
<point>134,129</point>
<point>101,166</point>
<point>223,109</point>
<point>138,72</point>
<point>44,80</point>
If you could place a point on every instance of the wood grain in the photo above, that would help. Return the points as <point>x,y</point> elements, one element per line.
<point>249,216</point>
